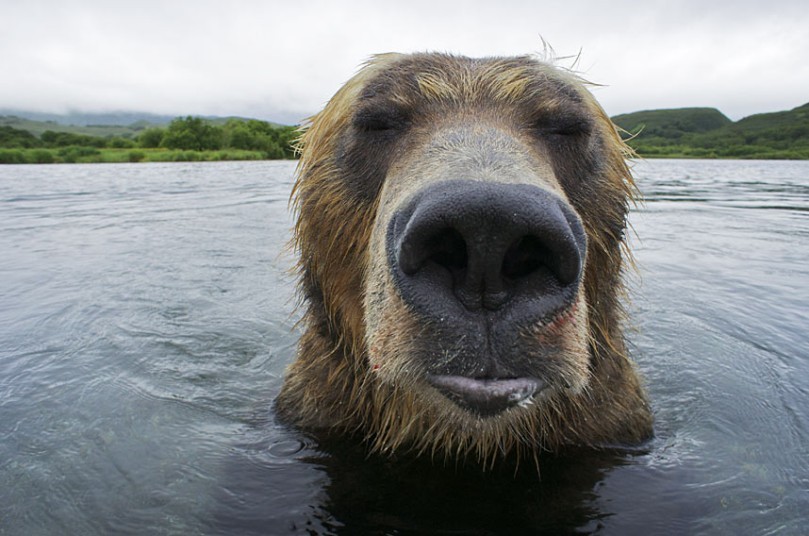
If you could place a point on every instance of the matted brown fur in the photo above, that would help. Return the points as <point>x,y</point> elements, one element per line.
<point>335,383</point>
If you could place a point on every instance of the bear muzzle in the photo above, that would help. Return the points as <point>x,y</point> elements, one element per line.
<point>482,262</point>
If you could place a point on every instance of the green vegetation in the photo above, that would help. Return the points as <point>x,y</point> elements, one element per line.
<point>184,139</point>
<point>707,133</point>
<point>81,155</point>
<point>678,133</point>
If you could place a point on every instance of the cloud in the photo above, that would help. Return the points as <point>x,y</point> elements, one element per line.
<point>283,60</point>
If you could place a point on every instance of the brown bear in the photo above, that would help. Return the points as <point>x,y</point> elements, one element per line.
<point>460,225</point>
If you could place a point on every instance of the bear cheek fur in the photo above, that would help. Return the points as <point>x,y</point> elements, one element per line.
<point>390,326</point>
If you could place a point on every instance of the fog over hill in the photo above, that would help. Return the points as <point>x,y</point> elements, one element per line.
<point>84,119</point>
<point>119,118</point>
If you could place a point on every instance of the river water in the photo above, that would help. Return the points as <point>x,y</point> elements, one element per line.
<point>147,312</point>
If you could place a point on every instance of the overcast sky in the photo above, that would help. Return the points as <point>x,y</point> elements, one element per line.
<point>282,60</point>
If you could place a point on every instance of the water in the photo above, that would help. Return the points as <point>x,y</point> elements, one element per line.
<point>147,313</point>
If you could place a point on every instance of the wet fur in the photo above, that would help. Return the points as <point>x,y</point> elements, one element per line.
<point>350,380</point>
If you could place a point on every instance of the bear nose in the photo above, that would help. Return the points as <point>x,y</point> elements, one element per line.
<point>487,245</point>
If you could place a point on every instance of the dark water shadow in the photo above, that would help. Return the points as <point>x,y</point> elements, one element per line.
<point>335,488</point>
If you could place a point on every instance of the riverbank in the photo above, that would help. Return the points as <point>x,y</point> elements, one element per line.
<point>734,152</point>
<point>92,155</point>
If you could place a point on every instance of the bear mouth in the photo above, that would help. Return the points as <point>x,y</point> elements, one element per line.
<point>488,396</point>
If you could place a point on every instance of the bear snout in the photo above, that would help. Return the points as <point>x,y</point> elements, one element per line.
<point>462,248</point>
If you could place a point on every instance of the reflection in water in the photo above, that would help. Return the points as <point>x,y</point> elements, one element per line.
<point>148,314</point>
<point>417,498</point>
<point>373,495</point>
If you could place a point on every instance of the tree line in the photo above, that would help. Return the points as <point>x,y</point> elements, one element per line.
<point>182,137</point>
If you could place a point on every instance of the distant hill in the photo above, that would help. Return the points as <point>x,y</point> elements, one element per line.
<point>125,124</point>
<point>707,133</point>
<point>81,119</point>
<point>672,123</point>
<point>37,127</point>
<point>759,123</point>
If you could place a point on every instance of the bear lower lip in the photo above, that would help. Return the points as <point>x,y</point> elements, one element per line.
<point>486,397</point>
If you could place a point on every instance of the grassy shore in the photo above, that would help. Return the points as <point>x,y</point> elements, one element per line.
<point>738,152</point>
<point>91,155</point>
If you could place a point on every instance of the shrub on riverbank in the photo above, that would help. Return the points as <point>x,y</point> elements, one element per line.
<point>183,140</point>
<point>89,155</point>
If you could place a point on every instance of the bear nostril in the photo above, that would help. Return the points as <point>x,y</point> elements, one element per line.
<point>446,248</point>
<point>530,254</point>
<point>525,256</point>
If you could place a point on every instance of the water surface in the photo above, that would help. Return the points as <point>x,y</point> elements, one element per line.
<point>148,312</point>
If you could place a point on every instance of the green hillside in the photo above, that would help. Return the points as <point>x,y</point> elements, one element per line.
<point>707,133</point>
<point>672,123</point>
